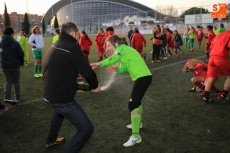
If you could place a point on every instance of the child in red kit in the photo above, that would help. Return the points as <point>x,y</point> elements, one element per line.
<point>100,41</point>
<point>85,43</point>
<point>199,69</point>
<point>209,38</point>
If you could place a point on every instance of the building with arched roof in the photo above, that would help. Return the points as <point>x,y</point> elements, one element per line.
<point>97,12</point>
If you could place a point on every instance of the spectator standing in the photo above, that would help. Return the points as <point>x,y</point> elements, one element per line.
<point>157,41</point>
<point>163,54</point>
<point>56,35</point>
<point>178,43</point>
<point>186,37</point>
<point>108,33</point>
<point>220,29</point>
<point>170,41</point>
<point>85,43</point>
<point>209,38</point>
<point>100,41</point>
<point>130,34</point>
<point>191,34</point>
<point>200,35</point>
<point>12,57</point>
<point>3,108</point>
<point>22,39</point>
<point>37,42</point>
<point>138,41</point>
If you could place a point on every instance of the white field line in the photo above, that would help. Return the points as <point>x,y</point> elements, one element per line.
<point>161,67</point>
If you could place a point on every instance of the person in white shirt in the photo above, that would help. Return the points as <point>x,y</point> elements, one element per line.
<point>37,42</point>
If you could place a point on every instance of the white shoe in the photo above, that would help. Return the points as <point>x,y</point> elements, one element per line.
<point>8,100</point>
<point>132,141</point>
<point>130,126</point>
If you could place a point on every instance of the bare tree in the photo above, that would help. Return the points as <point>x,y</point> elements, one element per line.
<point>169,11</point>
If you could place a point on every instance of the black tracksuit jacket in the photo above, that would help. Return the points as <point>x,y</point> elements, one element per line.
<point>63,62</point>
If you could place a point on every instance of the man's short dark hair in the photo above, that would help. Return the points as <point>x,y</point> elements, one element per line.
<point>109,29</point>
<point>210,27</point>
<point>8,31</point>
<point>57,30</point>
<point>68,27</point>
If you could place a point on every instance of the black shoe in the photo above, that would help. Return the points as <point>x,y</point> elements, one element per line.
<point>205,100</point>
<point>11,101</point>
<point>59,140</point>
<point>223,97</point>
<point>192,90</point>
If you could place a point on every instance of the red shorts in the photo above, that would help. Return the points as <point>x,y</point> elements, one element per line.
<point>207,47</point>
<point>100,50</point>
<point>199,40</point>
<point>218,67</point>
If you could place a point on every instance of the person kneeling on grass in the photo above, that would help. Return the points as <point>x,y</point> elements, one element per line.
<point>127,59</point>
<point>199,69</point>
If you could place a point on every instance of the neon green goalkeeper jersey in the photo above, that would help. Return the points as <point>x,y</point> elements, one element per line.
<point>128,60</point>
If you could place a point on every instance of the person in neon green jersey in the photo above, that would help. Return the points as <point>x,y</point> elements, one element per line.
<point>56,35</point>
<point>22,39</point>
<point>127,59</point>
<point>220,29</point>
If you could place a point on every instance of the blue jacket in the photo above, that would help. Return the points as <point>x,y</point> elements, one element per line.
<point>12,55</point>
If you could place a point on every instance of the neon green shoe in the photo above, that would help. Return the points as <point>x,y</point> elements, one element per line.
<point>40,75</point>
<point>36,75</point>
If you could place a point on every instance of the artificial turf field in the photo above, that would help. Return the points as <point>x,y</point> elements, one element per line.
<point>174,120</point>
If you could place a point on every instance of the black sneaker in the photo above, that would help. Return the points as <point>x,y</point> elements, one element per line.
<point>11,101</point>
<point>205,100</point>
<point>59,140</point>
<point>192,90</point>
<point>223,97</point>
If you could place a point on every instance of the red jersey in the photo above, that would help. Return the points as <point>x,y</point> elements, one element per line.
<point>200,70</point>
<point>200,34</point>
<point>109,33</point>
<point>85,43</point>
<point>210,37</point>
<point>220,46</point>
<point>138,41</point>
<point>100,41</point>
<point>170,40</point>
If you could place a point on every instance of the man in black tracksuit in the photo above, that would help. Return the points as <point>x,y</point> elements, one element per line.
<point>12,57</point>
<point>63,63</point>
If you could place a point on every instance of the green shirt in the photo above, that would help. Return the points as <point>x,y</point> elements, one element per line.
<point>128,60</point>
<point>55,38</point>
<point>23,41</point>
<point>220,30</point>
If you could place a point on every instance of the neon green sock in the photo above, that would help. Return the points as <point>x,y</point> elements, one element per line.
<point>39,69</point>
<point>141,112</point>
<point>136,121</point>
<point>35,69</point>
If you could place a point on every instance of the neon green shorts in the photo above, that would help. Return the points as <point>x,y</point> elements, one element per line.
<point>37,54</point>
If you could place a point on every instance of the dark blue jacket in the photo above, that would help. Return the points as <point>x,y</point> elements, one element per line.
<point>12,55</point>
